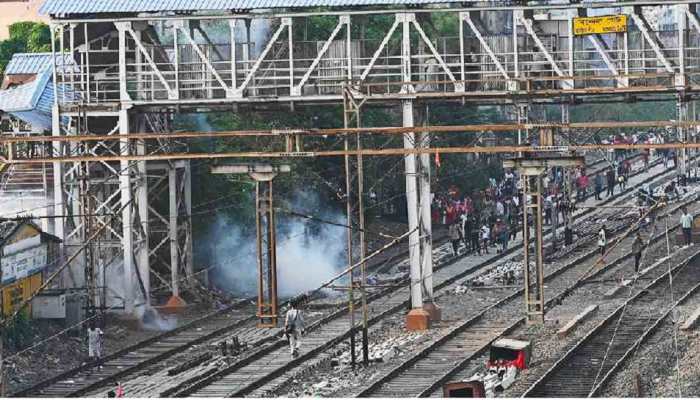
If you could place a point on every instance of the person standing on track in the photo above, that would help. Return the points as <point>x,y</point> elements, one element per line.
<point>687,226</point>
<point>94,336</point>
<point>294,328</point>
<point>485,237</point>
<point>602,240</point>
<point>637,247</point>
<point>455,237</point>
<point>598,182</point>
<point>611,182</point>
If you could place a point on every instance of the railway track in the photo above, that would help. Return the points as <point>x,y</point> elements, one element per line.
<point>268,364</point>
<point>424,373</point>
<point>84,379</point>
<point>81,380</point>
<point>586,367</point>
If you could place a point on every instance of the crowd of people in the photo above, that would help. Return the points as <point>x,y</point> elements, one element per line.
<point>493,216</point>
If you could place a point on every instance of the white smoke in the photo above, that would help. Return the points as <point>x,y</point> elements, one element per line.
<point>309,252</point>
<point>152,320</point>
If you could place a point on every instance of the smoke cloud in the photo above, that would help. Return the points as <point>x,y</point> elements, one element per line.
<point>309,252</point>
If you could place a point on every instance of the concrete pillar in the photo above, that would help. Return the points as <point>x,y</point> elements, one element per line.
<point>127,220</point>
<point>426,226</point>
<point>417,319</point>
<point>142,253</point>
<point>58,223</point>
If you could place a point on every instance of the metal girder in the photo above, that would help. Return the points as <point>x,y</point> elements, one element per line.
<point>285,24</point>
<point>466,17</point>
<point>126,27</point>
<point>529,27</point>
<point>342,21</point>
<point>381,48</point>
<point>651,38</point>
<point>459,86</point>
<point>602,50</point>
<point>205,60</point>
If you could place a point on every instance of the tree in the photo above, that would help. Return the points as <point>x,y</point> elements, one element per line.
<point>26,36</point>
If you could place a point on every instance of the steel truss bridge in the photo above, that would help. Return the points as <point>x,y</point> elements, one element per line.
<point>134,69</point>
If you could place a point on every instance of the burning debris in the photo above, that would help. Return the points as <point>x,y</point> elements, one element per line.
<point>507,358</point>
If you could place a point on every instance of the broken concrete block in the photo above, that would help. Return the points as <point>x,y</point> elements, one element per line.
<point>614,291</point>
<point>571,325</point>
<point>692,320</point>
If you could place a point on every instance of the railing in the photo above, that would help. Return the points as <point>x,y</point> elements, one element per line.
<point>158,72</point>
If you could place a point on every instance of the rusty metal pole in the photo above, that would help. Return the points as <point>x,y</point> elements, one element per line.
<point>258,237</point>
<point>272,241</point>
<point>348,209</point>
<point>363,249</point>
<point>263,175</point>
<point>526,241</point>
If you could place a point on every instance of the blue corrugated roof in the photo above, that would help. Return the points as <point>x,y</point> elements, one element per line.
<point>24,97</point>
<point>34,63</point>
<point>138,6</point>
<point>32,102</point>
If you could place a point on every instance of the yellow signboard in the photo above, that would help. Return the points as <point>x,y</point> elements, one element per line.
<point>604,24</point>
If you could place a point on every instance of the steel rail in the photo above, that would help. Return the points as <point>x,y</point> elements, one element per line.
<point>607,321</point>
<point>136,346</point>
<point>255,383</point>
<point>193,324</point>
<point>444,377</point>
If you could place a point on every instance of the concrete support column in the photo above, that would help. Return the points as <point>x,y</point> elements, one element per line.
<point>426,225</point>
<point>417,319</point>
<point>142,252</point>
<point>58,223</point>
<point>127,220</point>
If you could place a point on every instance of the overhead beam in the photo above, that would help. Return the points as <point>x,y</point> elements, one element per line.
<point>388,130</point>
<point>361,152</point>
<point>266,13</point>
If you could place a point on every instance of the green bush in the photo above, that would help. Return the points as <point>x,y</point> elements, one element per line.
<point>33,37</point>
<point>18,333</point>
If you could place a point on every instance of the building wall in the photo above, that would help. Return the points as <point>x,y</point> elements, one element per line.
<point>16,11</point>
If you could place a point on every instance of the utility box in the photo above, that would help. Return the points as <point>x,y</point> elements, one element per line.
<point>49,306</point>
<point>464,389</point>
<point>506,352</point>
<point>75,309</point>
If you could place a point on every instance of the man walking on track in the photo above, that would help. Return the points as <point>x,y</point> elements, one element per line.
<point>637,247</point>
<point>294,328</point>
<point>95,344</point>
<point>687,226</point>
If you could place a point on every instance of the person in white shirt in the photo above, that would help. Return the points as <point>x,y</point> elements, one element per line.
<point>687,226</point>
<point>602,240</point>
<point>485,236</point>
<point>94,336</point>
<point>294,328</point>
